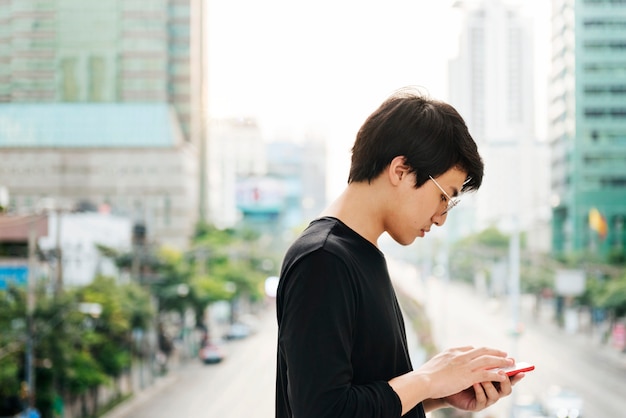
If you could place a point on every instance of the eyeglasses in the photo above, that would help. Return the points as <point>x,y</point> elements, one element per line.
<point>452,202</point>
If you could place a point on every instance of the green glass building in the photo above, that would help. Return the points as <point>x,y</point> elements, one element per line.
<point>587,119</point>
<point>121,51</point>
<point>103,102</point>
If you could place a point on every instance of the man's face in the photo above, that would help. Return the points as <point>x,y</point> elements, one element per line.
<point>417,210</point>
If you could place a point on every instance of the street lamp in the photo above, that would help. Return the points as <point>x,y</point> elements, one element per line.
<point>30,309</point>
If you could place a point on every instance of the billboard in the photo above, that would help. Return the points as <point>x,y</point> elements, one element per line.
<point>260,195</point>
<point>13,274</point>
<point>569,282</point>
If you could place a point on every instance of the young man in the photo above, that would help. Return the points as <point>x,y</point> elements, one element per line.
<point>342,349</point>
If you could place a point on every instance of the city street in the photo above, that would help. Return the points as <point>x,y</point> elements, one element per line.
<point>240,386</point>
<point>243,385</point>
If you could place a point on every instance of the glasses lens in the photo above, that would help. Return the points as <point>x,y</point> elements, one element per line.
<point>451,203</point>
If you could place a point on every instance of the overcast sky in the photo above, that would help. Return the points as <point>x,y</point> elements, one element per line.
<point>291,62</point>
<point>324,66</point>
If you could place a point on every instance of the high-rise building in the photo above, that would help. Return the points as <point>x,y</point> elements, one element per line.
<point>236,151</point>
<point>492,86</point>
<point>588,125</point>
<point>103,102</point>
<point>116,51</point>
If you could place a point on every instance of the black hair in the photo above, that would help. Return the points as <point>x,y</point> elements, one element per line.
<point>430,134</point>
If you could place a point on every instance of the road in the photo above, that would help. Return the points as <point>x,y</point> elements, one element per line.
<point>243,385</point>
<point>240,386</point>
<point>459,317</point>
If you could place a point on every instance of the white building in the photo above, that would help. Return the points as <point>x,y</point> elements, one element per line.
<point>492,86</point>
<point>78,234</point>
<point>235,150</point>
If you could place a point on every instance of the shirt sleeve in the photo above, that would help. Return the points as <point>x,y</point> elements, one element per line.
<point>319,304</point>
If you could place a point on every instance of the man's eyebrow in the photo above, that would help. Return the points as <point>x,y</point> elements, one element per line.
<point>455,192</point>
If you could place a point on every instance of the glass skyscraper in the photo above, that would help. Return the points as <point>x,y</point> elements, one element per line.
<point>104,101</point>
<point>587,113</point>
<point>124,51</point>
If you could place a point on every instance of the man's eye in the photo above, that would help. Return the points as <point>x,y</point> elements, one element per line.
<point>444,198</point>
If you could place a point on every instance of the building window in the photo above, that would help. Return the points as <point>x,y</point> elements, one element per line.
<point>618,113</point>
<point>613,182</point>
<point>595,113</point>
<point>167,211</point>
<point>97,77</point>
<point>70,89</point>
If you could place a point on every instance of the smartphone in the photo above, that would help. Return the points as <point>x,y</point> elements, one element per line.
<point>518,367</point>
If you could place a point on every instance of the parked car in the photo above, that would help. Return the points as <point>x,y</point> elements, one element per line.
<point>237,331</point>
<point>563,403</point>
<point>211,353</point>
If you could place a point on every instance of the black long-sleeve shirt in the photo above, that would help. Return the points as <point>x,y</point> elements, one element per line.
<point>341,334</point>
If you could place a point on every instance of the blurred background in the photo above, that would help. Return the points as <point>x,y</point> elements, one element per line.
<point>157,157</point>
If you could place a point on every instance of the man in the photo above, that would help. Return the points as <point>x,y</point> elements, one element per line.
<point>342,349</point>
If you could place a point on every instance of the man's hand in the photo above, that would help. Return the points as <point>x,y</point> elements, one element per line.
<point>482,395</point>
<point>457,369</point>
<point>449,378</point>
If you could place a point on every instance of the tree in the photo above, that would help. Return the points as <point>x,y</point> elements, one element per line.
<point>12,338</point>
<point>613,297</point>
<point>79,350</point>
<point>226,257</point>
<point>477,253</point>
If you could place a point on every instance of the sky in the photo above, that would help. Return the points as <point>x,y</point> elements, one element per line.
<point>322,67</point>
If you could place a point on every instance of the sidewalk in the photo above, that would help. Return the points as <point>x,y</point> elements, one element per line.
<point>123,409</point>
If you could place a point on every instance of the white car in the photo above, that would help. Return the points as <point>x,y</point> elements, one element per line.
<point>563,403</point>
<point>237,331</point>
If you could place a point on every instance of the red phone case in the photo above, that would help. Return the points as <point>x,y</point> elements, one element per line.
<point>518,368</point>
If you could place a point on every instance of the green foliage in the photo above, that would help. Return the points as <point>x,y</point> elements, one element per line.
<point>491,238</point>
<point>594,290</point>
<point>617,256</point>
<point>606,281</point>
<point>241,275</point>
<point>121,306</point>
<point>76,350</point>
<point>210,236</point>
<point>207,289</point>
<point>83,372</point>
<point>477,253</point>
<point>227,257</point>
<point>108,252</point>
<point>174,275</point>
<point>105,292</point>
<point>136,303</point>
<point>12,338</point>
<point>536,274</point>
<point>10,383</point>
<point>613,296</point>
<point>480,251</point>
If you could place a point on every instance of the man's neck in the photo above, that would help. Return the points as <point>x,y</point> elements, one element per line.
<point>360,206</point>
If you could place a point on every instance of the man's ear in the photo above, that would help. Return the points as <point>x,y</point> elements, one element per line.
<point>398,169</point>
